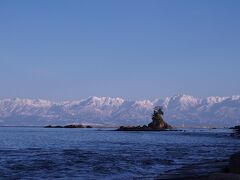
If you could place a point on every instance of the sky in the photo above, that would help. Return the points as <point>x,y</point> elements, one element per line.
<point>134,49</point>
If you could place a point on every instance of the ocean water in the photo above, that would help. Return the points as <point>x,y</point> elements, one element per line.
<point>41,153</point>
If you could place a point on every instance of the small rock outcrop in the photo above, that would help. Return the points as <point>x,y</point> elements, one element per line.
<point>236,131</point>
<point>236,127</point>
<point>69,126</point>
<point>157,124</point>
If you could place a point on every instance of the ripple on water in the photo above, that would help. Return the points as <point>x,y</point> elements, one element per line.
<point>101,154</point>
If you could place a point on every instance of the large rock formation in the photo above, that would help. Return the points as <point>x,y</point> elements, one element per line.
<point>157,120</point>
<point>157,124</point>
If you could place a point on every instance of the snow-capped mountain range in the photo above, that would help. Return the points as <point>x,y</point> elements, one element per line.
<point>180,110</point>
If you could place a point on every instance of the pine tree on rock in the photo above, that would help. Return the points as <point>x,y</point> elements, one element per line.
<point>157,119</point>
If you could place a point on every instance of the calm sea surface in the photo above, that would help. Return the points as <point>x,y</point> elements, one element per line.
<point>37,153</point>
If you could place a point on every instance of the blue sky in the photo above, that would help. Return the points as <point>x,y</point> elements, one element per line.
<point>55,49</point>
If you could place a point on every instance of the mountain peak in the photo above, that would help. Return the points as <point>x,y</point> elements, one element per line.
<point>100,101</point>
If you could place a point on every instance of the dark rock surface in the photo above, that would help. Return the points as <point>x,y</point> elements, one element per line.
<point>74,126</point>
<point>234,164</point>
<point>236,127</point>
<point>69,126</point>
<point>236,131</point>
<point>50,126</point>
<point>223,176</point>
<point>232,172</point>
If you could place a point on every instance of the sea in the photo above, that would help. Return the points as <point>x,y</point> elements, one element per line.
<point>103,153</point>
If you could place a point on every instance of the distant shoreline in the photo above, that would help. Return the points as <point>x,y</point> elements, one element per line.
<point>117,126</point>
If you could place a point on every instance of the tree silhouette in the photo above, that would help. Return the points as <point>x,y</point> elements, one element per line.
<point>157,119</point>
<point>158,109</point>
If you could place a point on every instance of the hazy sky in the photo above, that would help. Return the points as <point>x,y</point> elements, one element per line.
<point>132,49</point>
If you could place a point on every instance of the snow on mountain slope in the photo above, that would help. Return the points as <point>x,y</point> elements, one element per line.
<point>179,110</point>
<point>9,107</point>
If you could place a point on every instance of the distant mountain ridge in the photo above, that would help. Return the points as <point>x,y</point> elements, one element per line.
<point>180,110</point>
